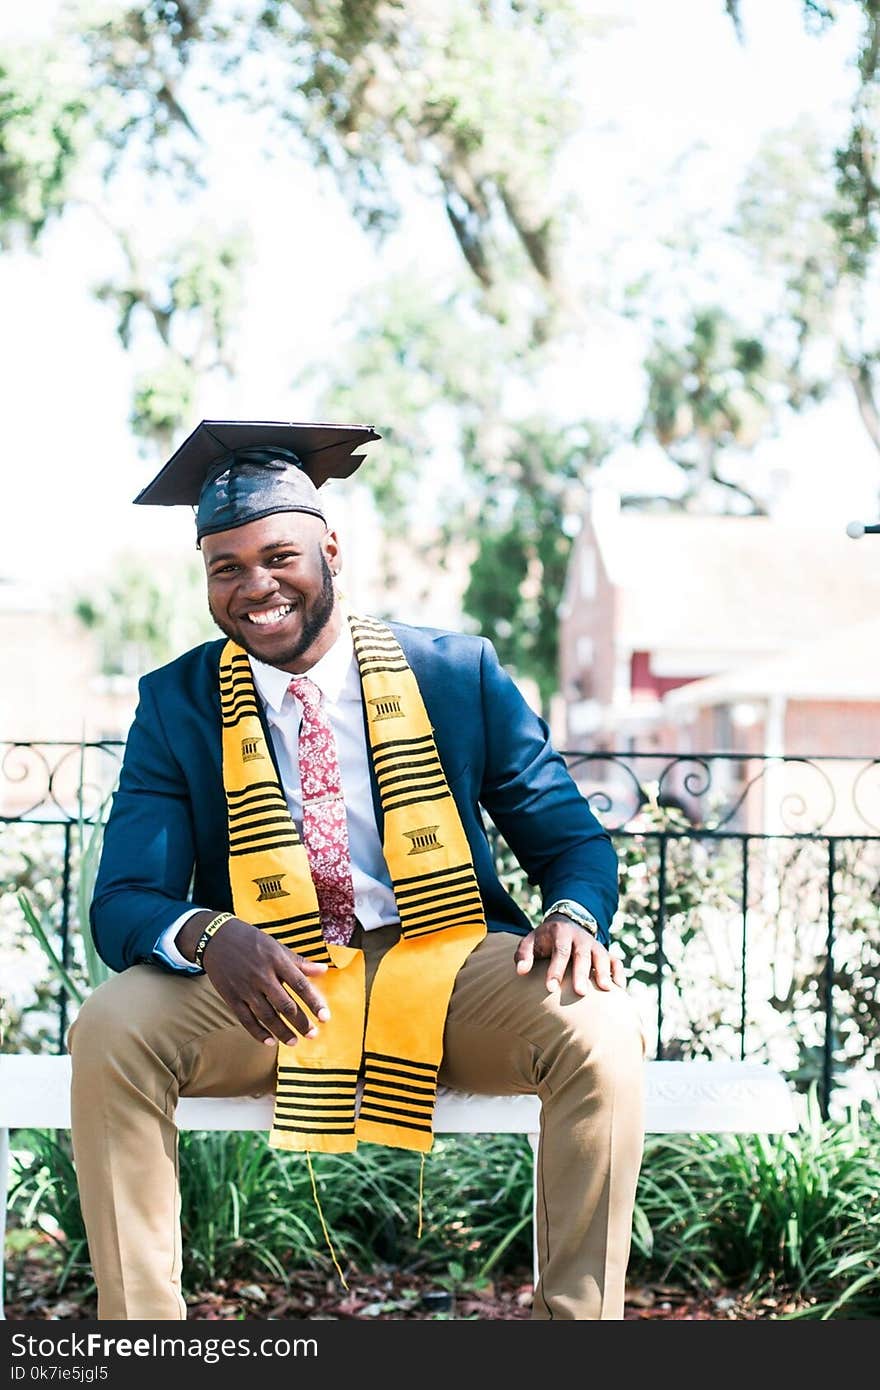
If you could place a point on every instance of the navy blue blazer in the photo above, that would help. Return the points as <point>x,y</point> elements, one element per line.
<point>166,846</point>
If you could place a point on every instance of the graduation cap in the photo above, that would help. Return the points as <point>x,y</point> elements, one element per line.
<point>235,471</point>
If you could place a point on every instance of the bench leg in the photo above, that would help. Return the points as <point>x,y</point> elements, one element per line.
<point>4,1188</point>
<point>533,1145</point>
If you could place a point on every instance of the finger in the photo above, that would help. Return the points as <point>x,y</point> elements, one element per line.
<point>558,965</point>
<point>524,955</point>
<point>582,964</point>
<point>289,1009</point>
<point>618,971</point>
<point>250,1023</point>
<point>275,1028</point>
<point>312,967</point>
<point>299,989</point>
<point>601,967</point>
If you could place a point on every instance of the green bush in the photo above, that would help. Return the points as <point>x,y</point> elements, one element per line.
<point>792,1214</point>
<point>476,1206</point>
<point>247,1208</point>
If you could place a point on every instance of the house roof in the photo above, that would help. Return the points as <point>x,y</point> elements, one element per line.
<point>737,584</point>
<point>842,665</point>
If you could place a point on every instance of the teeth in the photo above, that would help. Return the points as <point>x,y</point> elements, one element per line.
<point>271,615</point>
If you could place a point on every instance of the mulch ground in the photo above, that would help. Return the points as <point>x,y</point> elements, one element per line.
<point>32,1293</point>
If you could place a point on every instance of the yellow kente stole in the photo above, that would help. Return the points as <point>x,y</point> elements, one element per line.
<point>397,1045</point>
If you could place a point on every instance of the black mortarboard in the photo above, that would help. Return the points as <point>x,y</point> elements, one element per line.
<point>235,471</point>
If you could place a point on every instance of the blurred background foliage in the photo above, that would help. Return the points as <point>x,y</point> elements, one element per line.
<point>471,107</point>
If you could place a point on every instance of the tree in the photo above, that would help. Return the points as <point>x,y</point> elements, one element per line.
<point>474,100</point>
<point>143,617</point>
<point>464,395</point>
<point>190,297</point>
<point>66,139</point>
<point>526,529</point>
<point>823,292</point>
<point>812,219</point>
<point>466,106</point>
<point>709,401</point>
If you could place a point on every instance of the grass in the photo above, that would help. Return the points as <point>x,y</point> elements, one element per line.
<point>246,1208</point>
<point>795,1212</point>
<point>789,1215</point>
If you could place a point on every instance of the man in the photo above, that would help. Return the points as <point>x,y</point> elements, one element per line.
<point>298,893</point>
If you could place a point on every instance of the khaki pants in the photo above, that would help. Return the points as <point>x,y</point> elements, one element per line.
<point>146,1036</point>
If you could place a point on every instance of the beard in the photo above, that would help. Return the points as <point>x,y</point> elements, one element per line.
<point>315,617</point>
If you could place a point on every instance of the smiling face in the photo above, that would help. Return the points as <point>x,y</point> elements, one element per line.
<point>270,588</point>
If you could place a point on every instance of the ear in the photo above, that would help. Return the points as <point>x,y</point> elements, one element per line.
<point>331,551</point>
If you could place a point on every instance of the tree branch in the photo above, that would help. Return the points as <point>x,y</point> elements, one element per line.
<point>859,374</point>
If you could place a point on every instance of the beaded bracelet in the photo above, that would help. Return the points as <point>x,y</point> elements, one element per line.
<point>213,926</point>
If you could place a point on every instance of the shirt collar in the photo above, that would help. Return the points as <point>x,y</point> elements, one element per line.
<point>332,673</point>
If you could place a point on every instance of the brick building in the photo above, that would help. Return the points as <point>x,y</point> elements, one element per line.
<point>663,603</point>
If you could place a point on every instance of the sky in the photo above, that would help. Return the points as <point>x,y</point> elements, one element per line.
<point>665,79</point>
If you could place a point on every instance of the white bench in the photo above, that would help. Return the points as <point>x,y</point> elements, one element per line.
<point>680,1098</point>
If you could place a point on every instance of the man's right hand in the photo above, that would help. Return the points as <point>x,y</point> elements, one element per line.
<point>264,983</point>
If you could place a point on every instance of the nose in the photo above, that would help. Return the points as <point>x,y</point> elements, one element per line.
<point>260,583</point>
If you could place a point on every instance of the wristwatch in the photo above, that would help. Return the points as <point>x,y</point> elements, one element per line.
<point>577,914</point>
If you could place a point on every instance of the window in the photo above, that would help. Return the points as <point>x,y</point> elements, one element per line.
<point>588,573</point>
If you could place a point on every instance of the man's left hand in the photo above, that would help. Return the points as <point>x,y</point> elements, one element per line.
<point>566,943</point>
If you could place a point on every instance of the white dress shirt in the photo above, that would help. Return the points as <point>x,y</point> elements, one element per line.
<point>336,674</point>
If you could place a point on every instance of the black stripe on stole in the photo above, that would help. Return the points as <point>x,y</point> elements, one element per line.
<point>312,947</point>
<point>389,747</point>
<point>238,674</point>
<point>230,723</point>
<point>456,903</point>
<point>331,1076</point>
<point>382,1066</point>
<point>258,795</point>
<point>454,898</point>
<point>238,688</point>
<point>303,937</point>
<point>398,1091</point>
<point>259,843</point>
<point>409,759</point>
<point>253,819</point>
<point>318,1103</point>
<point>375,640</point>
<point>428,776</point>
<point>235,704</point>
<point>472,917</point>
<point>432,873</point>
<point>394,805</point>
<point>405,781</point>
<point>440,879</point>
<point>373,669</point>
<point>250,789</point>
<point>375,658</point>
<point>254,835</point>
<point>256,809</point>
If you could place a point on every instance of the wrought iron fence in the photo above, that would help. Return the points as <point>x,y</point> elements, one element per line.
<point>750,895</point>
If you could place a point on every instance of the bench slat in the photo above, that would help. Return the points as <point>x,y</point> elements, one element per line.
<point>680,1097</point>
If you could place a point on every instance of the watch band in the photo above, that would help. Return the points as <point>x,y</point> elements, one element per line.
<point>575,912</point>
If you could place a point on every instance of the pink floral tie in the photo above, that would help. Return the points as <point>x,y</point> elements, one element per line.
<point>325,832</point>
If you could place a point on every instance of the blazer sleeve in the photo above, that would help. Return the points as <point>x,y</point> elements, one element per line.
<point>148,854</point>
<point>535,803</point>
